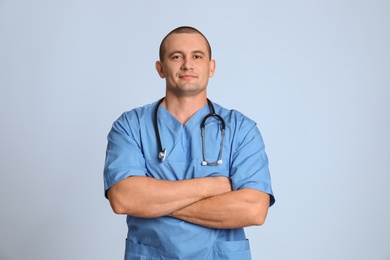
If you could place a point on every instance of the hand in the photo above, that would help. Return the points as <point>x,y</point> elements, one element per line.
<point>220,185</point>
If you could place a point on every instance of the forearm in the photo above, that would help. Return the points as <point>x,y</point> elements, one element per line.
<point>246,207</point>
<point>148,197</point>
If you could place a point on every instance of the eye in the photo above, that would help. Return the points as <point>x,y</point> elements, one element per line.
<point>176,56</point>
<point>197,57</point>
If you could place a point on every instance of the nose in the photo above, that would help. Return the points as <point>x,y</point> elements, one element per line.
<point>187,64</point>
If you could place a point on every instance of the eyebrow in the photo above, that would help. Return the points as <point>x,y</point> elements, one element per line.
<point>199,52</point>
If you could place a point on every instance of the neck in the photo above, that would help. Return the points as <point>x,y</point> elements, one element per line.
<point>183,108</point>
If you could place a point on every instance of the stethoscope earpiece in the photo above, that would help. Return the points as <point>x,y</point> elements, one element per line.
<point>205,163</point>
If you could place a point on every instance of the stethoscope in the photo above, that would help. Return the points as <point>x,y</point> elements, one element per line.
<point>163,152</point>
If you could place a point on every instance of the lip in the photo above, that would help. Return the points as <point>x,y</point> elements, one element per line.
<point>187,76</point>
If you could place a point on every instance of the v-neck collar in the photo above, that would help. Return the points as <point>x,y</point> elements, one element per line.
<point>172,121</point>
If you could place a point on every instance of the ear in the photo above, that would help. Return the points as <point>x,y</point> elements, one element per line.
<point>212,68</point>
<point>160,69</point>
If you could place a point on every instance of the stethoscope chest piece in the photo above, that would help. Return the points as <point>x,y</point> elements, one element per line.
<point>162,154</point>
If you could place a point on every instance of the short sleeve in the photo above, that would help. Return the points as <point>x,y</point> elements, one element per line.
<point>124,157</point>
<point>249,167</point>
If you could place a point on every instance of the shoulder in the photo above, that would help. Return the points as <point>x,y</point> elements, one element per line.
<point>137,113</point>
<point>234,116</point>
<point>131,119</point>
<point>239,126</point>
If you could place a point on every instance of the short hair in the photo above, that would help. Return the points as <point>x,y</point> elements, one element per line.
<point>182,29</point>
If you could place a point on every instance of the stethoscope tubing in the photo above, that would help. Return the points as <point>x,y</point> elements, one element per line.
<point>162,151</point>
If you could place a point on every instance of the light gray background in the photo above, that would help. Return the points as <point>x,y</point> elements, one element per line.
<point>315,75</point>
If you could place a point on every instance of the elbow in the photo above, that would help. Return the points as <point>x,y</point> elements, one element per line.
<point>117,202</point>
<point>259,220</point>
<point>259,215</point>
<point>131,210</point>
<point>118,207</point>
<point>257,208</point>
<point>121,205</point>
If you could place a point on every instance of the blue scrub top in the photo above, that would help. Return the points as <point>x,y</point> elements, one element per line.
<point>133,151</point>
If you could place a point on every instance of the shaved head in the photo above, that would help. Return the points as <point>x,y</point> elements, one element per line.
<point>182,29</point>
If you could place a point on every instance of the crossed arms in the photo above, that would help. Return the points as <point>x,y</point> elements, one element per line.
<point>207,201</point>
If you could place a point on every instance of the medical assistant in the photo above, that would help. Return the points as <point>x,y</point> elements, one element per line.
<point>133,151</point>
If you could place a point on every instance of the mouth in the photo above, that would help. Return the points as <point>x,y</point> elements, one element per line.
<point>187,76</point>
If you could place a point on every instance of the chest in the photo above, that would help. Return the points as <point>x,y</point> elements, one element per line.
<point>186,151</point>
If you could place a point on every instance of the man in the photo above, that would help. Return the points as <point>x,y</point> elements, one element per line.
<point>192,199</point>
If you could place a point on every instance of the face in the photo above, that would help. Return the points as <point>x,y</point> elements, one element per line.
<point>186,66</point>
